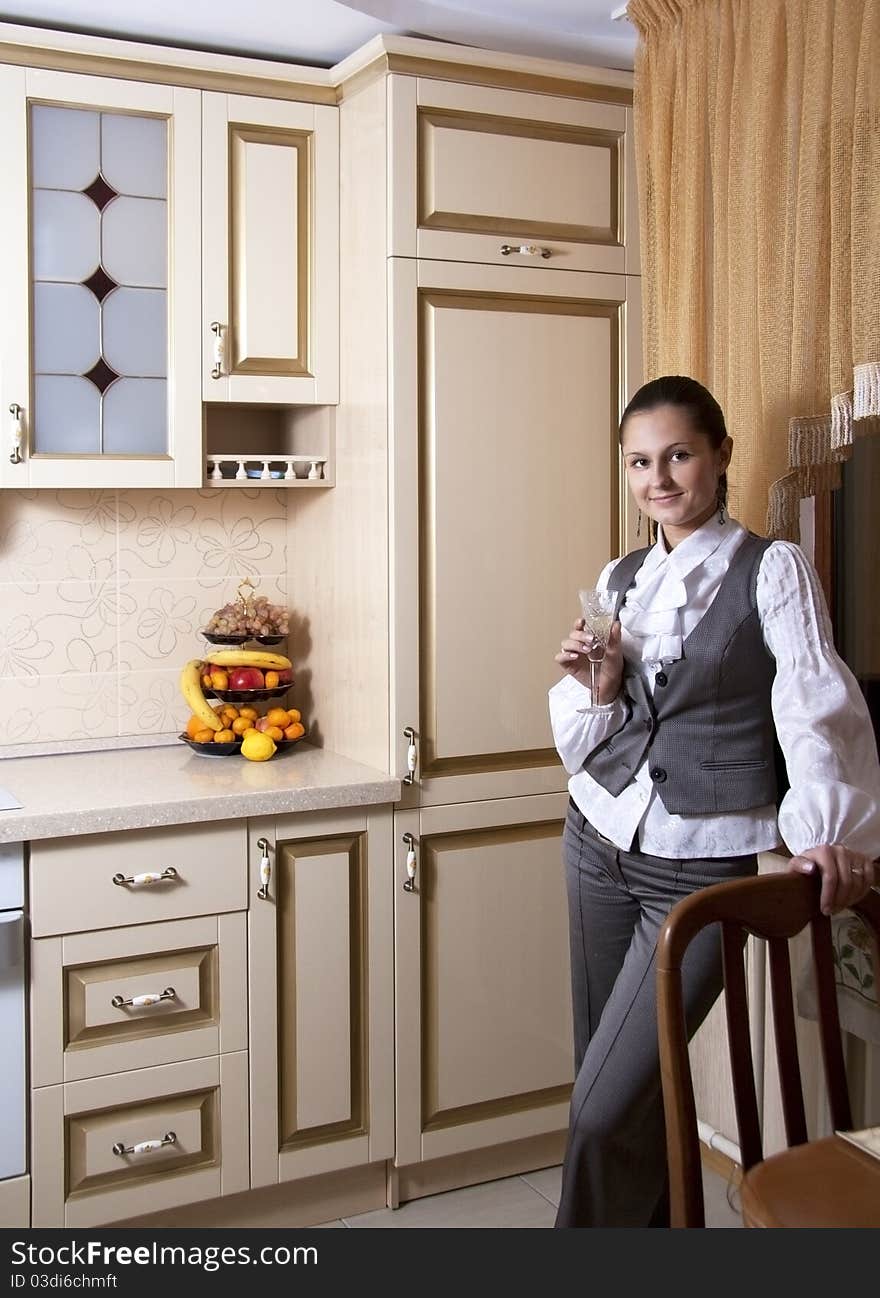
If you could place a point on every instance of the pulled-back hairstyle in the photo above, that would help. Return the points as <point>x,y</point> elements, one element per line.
<point>703,411</point>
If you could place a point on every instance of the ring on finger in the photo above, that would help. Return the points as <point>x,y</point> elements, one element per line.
<point>856,869</point>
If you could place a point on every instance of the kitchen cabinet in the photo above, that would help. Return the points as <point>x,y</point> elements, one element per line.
<point>483,1003</point>
<point>484,174</point>
<point>320,993</point>
<point>99,256</point>
<point>139,1061</point>
<point>162,246</point>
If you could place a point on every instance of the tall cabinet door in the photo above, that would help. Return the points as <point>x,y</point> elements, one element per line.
<point>99,281</point>
<point>506,394</point>
<point>270,251</point>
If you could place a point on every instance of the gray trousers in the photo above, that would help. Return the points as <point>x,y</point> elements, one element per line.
<point>614,1173</point>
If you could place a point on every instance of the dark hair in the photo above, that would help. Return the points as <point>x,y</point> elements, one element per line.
<point>704,412</point>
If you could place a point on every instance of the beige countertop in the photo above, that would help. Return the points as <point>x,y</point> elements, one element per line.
<point>140,788</point>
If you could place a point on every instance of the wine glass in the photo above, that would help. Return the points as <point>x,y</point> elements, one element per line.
<point>598,611</point>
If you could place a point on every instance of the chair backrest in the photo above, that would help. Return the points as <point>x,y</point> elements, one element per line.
<point>775,907</point>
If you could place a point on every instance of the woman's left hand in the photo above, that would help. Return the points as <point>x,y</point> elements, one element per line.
<point>846,876</point>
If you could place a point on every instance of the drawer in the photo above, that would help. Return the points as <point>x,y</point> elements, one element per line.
<point>197,967</point>
<point>509,178</point>
<point>117,1147</point>
<point>72,880</point>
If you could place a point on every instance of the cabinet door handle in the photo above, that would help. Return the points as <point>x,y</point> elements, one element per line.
<point>265,869</point>
<point>144,1146</point>
<point>149,876</point>
<point>409,883</point>
<point>219,350</point>
<point>412,756</point>
<point>17,413</point>
<point>141,1002</point>
<point>524,250</point>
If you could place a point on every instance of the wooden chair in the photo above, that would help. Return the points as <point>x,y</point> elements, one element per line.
<point>774,907</point>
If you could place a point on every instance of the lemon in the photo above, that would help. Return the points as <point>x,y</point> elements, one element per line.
<point>257,746</point>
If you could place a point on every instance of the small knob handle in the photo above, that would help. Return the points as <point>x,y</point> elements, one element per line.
<point>219,350</point>
<point>409,883</point>
<point>17,413</point>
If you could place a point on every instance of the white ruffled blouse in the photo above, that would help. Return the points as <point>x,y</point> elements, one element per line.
<point>821,718</point>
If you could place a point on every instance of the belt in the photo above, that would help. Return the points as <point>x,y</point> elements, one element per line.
<point>589,825</point>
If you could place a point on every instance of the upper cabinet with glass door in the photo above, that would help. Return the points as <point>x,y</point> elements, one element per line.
<point>270,251</point>
<point>99,238</point>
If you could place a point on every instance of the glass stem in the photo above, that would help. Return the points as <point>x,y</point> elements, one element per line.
<point>594,682</point>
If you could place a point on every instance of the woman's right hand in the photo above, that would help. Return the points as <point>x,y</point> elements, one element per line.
<point>574,659</point>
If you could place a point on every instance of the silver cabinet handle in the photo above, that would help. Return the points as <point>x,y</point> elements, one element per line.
<point>412,756</point>
<point>409,883</point>
<point>149,876</point>
<point>265,869</point>
<point>145,1146</point>
<point>219,350</point>
<point>525,250</point>
<point>141,1002</point>
<point>17,413</point>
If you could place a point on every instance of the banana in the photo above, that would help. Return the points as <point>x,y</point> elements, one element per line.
<point>247,658</point>
<point>191,689</point>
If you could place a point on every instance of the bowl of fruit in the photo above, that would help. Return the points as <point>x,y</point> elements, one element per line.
<point>247,617</point>
<point>243,730</point>
<point>223,728</point>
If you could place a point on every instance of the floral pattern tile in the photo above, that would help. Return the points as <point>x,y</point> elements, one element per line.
<point>103,594</point>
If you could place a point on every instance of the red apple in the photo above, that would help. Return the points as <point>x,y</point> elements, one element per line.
<point>262,723</point>
<point>246,678</point>
<point>285,676</point>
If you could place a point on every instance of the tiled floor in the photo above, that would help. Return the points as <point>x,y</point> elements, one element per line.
<point>517,1202</point>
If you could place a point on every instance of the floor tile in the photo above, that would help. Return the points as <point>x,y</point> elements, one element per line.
<point>508,1203</point>
<point>547,1181</point>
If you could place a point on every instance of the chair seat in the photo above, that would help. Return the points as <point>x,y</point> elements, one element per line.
<point>825,1183</point>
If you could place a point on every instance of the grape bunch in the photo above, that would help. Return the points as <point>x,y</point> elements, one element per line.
<point>252,616</point>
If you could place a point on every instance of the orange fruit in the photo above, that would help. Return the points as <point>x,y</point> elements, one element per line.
<point>206,680</point>
<point>274,732</point>
<point>294,730</point>
<point>278,717</point>
<point>241,724</point>
<point>193,726</point>
<point>271,680</point>
<point>224,737</point>
<point>249,712</point>
<point>294,715</point>
<point>205,736</point>
<point>229,711</point>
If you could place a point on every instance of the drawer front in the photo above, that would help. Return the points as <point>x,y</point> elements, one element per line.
<point>129,998</point>
<point>73,888</point>
<point>140,1142</point>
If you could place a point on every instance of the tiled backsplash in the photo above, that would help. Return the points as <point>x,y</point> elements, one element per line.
<point>102,595</point>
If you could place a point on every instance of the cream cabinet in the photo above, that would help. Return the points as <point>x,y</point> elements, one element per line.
<point>99,255</point>
<point>484,1037</point>
<point>321,993</point>
<point>139,1061</point>
<point>484,174</point>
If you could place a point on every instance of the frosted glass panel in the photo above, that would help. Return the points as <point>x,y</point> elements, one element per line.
<point>133,154</point>
<point>66,337</point>
<point>65,145</point>
<point>67,416</point>
<point>133,241</point>
<point>135,331</point>
<point>135,417</point>
<point>65,235</point>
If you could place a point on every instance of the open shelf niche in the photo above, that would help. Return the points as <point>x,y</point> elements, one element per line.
<point>269,446</point>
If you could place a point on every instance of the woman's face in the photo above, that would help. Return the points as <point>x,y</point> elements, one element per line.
<point>672,469</point>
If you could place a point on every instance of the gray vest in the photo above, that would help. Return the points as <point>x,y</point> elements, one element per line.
<point>708,730</point>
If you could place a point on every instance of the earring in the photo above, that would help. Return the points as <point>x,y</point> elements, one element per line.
<point>722,516</point>
<point>639,524</point>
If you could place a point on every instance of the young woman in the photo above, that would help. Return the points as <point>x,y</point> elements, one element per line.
<point>722,646</point>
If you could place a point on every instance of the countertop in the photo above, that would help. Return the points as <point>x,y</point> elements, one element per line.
<point>142,788</point>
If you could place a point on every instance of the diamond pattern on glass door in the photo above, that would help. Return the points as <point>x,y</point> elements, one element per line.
<point>99,219</point>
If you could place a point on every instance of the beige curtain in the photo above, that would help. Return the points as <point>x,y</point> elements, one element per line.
<point>758,144</point>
